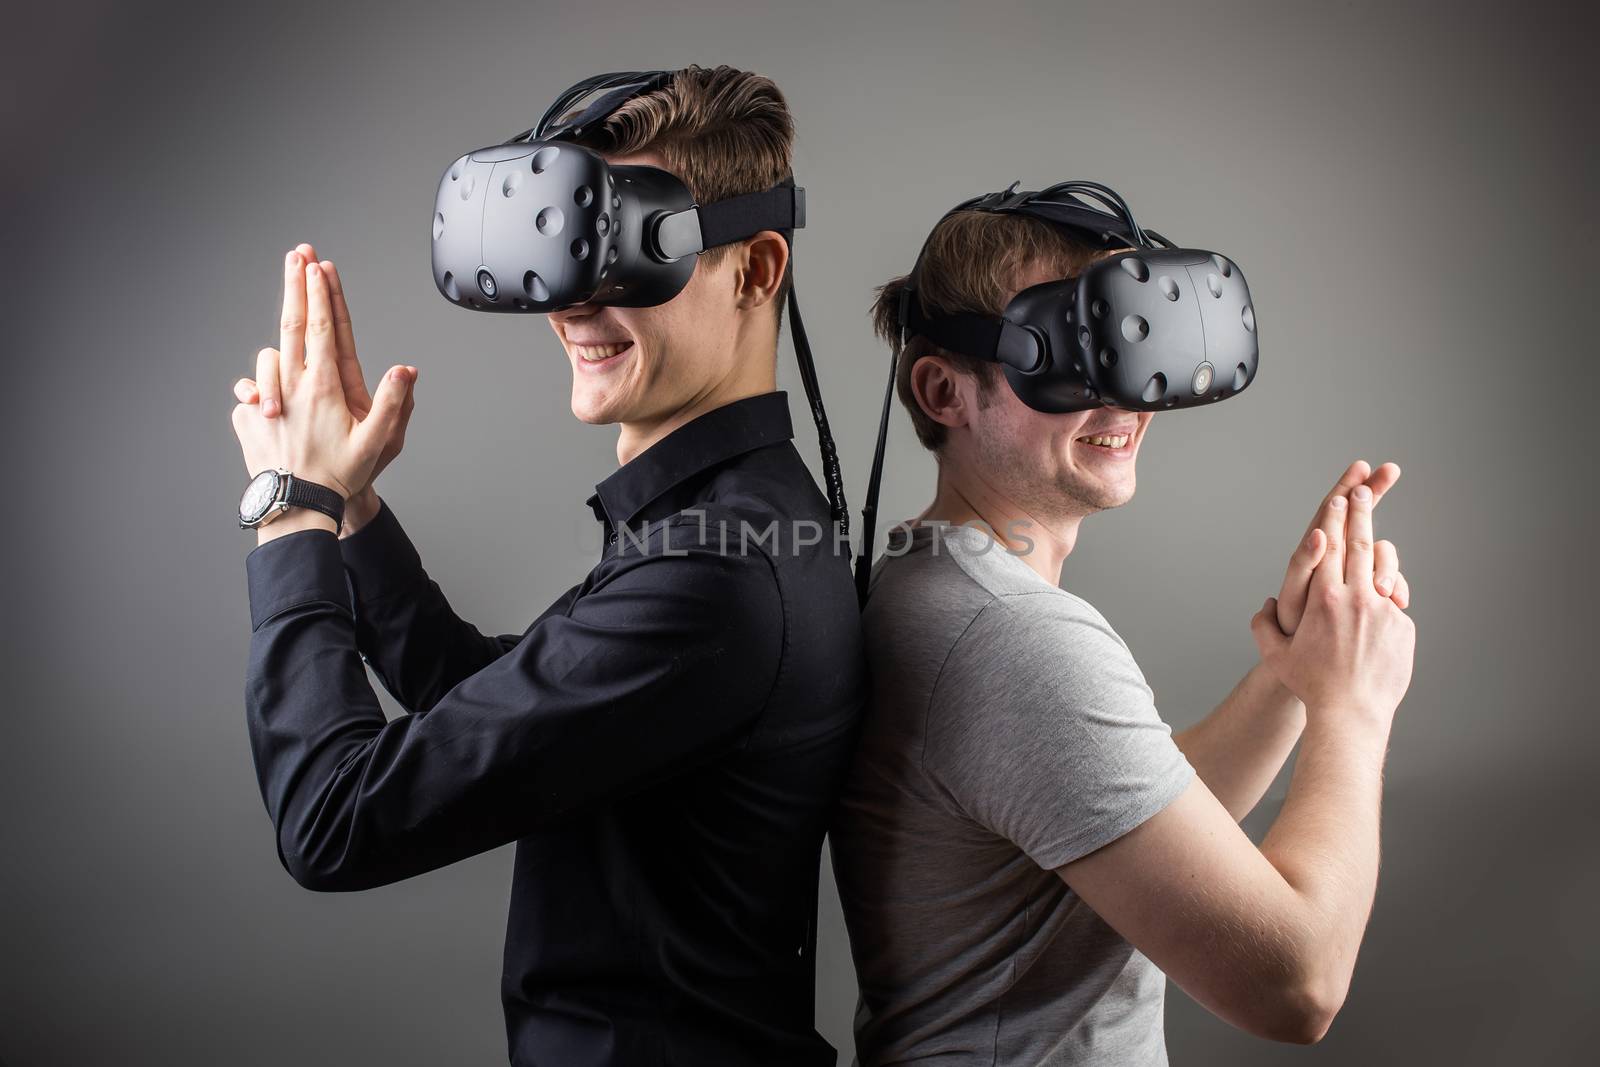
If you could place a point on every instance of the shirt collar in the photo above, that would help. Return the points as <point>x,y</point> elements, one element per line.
<point>698,445</point>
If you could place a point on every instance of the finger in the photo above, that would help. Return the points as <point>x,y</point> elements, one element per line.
<point>1270,641</point>
<point>1358,539</point>
<point>321,355</point>
<point>1330,570</point>
<point>1353,476</point>
<point>267,387</point>
<point>244,391</point>
<point>1402,592</point>
<point>411,398</point>
<point>387,404</point>
<point>344,334</point>
<point>292,327</point>
<point>1385,567</point>
<point>1382,480</point>
<point>1297,579</point>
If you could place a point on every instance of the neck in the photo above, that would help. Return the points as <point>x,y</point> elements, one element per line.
<point>964,495</point>
<point>754,375</point>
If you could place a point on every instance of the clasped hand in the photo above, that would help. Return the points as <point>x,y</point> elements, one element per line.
<point>1337,632</point>
<point>308,409</point>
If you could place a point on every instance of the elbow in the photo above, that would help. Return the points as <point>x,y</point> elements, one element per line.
<point>1301,1013</point>
<point>315,880</point>
<point>310,876</point>
<point>1282,1001</point>
<point>317,872</point>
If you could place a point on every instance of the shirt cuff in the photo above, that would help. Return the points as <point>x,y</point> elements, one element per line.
<point>380,558</point>
<point>295,569</point>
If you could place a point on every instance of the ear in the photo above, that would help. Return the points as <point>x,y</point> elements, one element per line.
<point>761,262</point>
<point>942,392</point>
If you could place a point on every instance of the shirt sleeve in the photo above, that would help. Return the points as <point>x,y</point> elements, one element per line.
<point>1042,728</point>
<point>404,627</point>
<point>666,662</point>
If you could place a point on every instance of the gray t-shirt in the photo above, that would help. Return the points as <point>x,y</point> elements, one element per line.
<point>1010,732</point>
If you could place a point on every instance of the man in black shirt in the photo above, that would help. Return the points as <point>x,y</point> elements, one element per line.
<point>663,743</point>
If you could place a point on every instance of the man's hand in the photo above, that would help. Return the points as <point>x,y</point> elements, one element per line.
<point>1387,579</point>
<point>266,390</point>
<point>1353,649</point>
<point>304,420</point>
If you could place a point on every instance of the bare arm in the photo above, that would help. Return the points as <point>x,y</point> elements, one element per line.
<point>1239,748</point>
<point>1267,938</point>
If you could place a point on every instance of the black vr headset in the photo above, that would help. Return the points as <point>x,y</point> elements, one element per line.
<point>1149,329</point>
<point>538,223</point>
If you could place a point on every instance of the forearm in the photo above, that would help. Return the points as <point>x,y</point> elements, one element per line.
<point>416,644</point>
<point>1325,840</point>
<point>1239,748</point>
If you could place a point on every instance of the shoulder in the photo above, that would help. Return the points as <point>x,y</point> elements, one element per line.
<point>1032,663</point>
<point>690,564</point>
<point>1034,627</point>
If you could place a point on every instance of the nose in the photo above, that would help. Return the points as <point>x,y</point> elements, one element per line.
<point>573,311</point>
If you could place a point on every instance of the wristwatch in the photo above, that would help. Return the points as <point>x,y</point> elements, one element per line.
<point>275,490</point>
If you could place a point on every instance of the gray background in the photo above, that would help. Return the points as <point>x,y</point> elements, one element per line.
<point>1409,191</point>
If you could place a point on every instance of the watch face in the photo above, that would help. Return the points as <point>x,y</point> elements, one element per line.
<point>258,496</point>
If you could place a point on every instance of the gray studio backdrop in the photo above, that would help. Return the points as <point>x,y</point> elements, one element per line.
<point>1410,190</point>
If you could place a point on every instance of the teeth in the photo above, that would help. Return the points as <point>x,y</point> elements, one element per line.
<point>595,353</point>
<point>1116,441</point>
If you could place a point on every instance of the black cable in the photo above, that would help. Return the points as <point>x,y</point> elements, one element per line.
<point>830,453</point>
<point>869,511</point>
<point>590,85</point>
<point>1105,195</point>
<point>643,79</point>
<point>568,98</point>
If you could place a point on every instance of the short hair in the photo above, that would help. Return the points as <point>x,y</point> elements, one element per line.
<point>974,261</point>
<point>722,131</point>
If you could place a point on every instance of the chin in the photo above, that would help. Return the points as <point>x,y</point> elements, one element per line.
<point>1121,497</point>
<point>594,410</point>
<point>1100,496</point>
<point>1119,492</point>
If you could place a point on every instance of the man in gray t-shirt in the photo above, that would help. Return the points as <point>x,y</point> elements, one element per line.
<point>1025,851</point>
<point>1013,734</point>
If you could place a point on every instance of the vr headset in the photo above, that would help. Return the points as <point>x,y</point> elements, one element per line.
<point>1149,329</point>
<point>539,223</point>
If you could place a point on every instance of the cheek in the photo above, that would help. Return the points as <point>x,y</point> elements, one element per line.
<point>641,325</point>
<point>710,295</point>
<point>1063,434</point>
<point>1046,436</point>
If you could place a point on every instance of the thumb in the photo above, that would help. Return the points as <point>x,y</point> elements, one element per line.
<point>1270,640</point>
<point>387,405</point>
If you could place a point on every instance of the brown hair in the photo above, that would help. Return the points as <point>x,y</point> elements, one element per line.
<point>973,261</point>
<point>721,130</point>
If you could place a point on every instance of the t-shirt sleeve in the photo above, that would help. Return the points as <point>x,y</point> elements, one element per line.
<point>1042,728</point>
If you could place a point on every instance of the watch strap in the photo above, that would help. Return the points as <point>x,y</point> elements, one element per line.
<point>303,494</point>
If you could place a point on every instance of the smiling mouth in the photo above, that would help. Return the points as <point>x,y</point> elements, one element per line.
<point>600,353</point>
<point>1111,441</point>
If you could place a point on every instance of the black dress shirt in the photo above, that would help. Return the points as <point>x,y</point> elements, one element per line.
<point>664,744</point>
